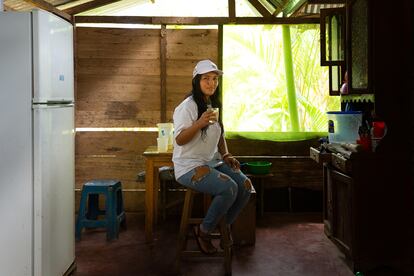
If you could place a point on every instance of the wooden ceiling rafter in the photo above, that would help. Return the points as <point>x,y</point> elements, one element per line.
<point>192,20</point>
<point>292,6</point>
<point>260,8</point>
<point>88,6</point>
<point>281,7</point>
<point>7,8</point>
<point>326,1</point>
<point>49,7</point>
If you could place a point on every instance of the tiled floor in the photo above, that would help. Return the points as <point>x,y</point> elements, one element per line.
<point>286,244</point>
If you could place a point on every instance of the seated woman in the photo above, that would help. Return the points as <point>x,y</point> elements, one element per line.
<point>199,151</point>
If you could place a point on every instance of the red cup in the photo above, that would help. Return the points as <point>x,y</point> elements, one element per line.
<point>378,129</point>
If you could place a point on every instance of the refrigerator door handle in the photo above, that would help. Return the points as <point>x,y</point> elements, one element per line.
<point>55,105</point>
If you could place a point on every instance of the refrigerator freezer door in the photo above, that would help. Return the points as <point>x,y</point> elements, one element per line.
<point>54,195</point>
<point>52,58</point>
<point>16,186</point>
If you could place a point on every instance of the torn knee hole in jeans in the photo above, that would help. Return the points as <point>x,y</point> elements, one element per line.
<point>248,184</point>
<point>200,172</point>
<point>223,176</point>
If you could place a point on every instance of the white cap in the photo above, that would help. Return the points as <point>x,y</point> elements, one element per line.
<point>205,66</point>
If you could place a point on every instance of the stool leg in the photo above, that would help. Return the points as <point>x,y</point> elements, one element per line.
<point>120,208</point>
<point>81,215</point>
<point>261,197</point>
<point>182,236</point>
<point>111,224</point>
<point>163,198</point>
<point>227,246</point>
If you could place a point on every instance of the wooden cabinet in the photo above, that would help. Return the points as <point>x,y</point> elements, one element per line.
<point>357,203</point>
<point>339,214</point>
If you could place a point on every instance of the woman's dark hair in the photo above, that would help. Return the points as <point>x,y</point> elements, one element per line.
<point>198,97</point>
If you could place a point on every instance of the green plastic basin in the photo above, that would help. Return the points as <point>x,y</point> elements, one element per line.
<point>259,167</point>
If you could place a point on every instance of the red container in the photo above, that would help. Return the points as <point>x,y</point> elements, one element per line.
<point>365,142</point>
<point>378,129</point>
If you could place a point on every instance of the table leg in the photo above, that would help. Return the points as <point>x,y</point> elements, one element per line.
<point>156,187</point>
<point>149,201</point>
<point>261,197</point>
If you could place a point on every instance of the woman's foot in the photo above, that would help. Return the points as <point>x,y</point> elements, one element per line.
<point>204,241</point>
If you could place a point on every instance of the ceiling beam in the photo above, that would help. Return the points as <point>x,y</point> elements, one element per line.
<point>7,8</point>
<point>88,6</point>
<point>292,6</point>
<point>281,7</point>
<point>49,7</point>
<point>326,1</point>
<point>260,8</point>
<point>192,20</point>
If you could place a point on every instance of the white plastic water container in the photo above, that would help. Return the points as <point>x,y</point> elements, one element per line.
<point>166,130</point>
<point>343,126</point>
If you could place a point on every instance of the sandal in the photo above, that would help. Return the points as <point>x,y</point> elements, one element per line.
<point>204,241</point>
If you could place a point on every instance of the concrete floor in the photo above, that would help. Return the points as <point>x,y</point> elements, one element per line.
<point>286,244</point>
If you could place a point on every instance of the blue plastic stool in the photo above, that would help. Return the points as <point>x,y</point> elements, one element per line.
<point>114,207</point>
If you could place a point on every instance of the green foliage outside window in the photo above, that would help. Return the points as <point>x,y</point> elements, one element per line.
<point>255,93</point>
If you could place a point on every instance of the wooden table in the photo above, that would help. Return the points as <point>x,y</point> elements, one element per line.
<point>153,161</point>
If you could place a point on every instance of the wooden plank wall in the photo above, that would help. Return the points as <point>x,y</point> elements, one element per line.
<point>184,49</point>
<point>119,85</point>
<point>291,165</point>
<point>118,78</point>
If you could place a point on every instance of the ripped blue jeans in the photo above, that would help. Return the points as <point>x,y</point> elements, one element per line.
<point>230,190</point>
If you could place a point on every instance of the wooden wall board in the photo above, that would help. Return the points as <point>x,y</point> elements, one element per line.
<point>291,171</point>
<point>131,51</point>
<point>242,146</point>
<point>108,167</point>
<point>113,155</point>
<point>121,36</point>
<point>107,154</point>
<point>116,70</point>
<point>126,143</point>
<point>184,49</point>
<point>93,66</point>
<point>105,89</point>
<point>115,114</point>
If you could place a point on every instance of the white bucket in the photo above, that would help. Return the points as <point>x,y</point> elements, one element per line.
<point>166,130</point>
<point>343,126</point>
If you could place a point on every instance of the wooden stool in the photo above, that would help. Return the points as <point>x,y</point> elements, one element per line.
<point>89,207</point>
<point>167,181</point>
<point>185,228</point>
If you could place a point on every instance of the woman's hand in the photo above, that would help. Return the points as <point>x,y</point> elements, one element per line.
<point>231,161</point>
<point>188,134</point>
<point>205,118</point>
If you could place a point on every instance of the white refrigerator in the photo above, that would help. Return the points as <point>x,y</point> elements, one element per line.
<point>37,173</point>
